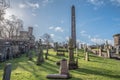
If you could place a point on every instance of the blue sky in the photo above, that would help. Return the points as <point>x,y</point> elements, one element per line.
<point>96,20</point>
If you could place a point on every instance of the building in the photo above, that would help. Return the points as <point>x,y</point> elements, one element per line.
<point>11,47</point>
<point>116,40</point>
<point>117,43</point>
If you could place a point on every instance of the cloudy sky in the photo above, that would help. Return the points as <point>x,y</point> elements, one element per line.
<point>96,20</point>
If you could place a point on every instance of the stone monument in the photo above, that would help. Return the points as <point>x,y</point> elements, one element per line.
<point>63,73</point>
<point>73,26</point>
<point>72,63</point>
<point>40,58</point>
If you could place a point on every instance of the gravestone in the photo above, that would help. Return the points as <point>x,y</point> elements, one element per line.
<point>40,58</point>
<point>30,53</point>
<point>55,46</point>
<point>63,73</point>
<point>86,53</point>
<point>100,51</point>
<point>7,71</point>
<point>64,67</point>
<point>108,53</point>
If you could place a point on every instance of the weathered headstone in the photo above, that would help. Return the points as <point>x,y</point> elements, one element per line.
<point>47,49</point>
<point>7,71</point>
<point>100,51</point>
<point>64,67</point>
<point>30,54</point>
<point>63,73</point>
<point>108,53</point>
<point>55,46</point>
<point>40,58</point>
<point>86,53</point>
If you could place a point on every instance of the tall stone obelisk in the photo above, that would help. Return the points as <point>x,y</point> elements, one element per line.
<point>72,42</point>
<point>73,26</point>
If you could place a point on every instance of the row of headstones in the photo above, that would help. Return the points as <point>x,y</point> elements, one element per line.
<point>39,53</point>
<point>106,54</point>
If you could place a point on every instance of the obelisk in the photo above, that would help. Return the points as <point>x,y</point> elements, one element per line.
<point>73,26</point>
<point>72,41</point>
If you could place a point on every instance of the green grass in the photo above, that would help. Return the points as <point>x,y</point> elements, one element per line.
<point>96,69</point>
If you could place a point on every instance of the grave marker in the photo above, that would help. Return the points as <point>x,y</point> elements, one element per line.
<point>7,71</point>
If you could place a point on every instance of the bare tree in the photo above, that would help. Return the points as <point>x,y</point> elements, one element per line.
<point>47,40</point>
<point>11,27</point>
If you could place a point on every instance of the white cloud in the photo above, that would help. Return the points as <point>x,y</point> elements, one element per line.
<point>51,27</point>
<point>67,38</point>
<point>115,2</point>
<point>45,2</point>
<point>33,5</point>
<point>61,21</point>
<point>29,5</point>
<point>59,29</point>
<point>100,41</point>
<point>36,25</point>
<point>33,14</point>
<point>52,35</point>
<point>96,2</point>
<point>83,32</point>
<point>22,5</point>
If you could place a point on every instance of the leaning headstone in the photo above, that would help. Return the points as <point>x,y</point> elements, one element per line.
<point>7,71</point>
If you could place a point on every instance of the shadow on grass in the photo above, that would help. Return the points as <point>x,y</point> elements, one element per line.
<point>50,67</point>
<point>14,62</point>
<point>76,78</point>
<point>97,71</point>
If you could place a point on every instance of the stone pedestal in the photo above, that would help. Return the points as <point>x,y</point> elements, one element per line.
<point>72,63</point>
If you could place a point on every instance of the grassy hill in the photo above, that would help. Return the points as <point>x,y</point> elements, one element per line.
<point>96,69</point>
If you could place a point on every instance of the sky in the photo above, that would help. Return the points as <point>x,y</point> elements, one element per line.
<point>96,20</point>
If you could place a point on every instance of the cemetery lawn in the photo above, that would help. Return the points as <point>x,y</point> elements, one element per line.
<point>96,69</point>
